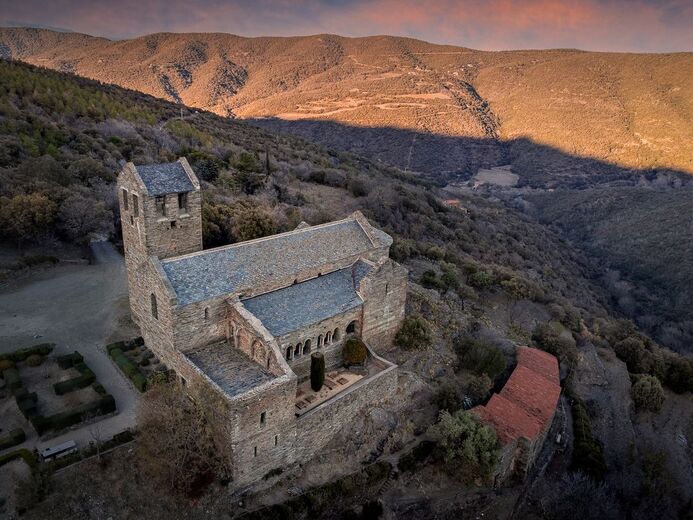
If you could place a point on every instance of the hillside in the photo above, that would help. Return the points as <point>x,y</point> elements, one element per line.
<point>480,271</point>
<point>447,110</point>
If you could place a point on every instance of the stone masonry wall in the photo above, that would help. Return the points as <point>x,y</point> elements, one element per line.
<point>384,293</point>
<point>315,429</point>
<point>332,351</point>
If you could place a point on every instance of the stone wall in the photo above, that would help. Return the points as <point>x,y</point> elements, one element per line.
<point>332,351</point>
<point>384,292</point>
<point>315,428</point>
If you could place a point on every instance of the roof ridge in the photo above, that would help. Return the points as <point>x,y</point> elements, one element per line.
<point>256,240</point>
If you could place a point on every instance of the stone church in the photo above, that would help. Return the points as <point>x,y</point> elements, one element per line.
<point>242,320</point>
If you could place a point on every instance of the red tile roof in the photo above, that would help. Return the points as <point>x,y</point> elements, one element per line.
<point>525,406</point>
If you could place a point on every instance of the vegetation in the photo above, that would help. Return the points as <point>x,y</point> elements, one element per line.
<point>317,371</point>
<point>85,378</point>
<point>647,393</point>
<point>355,352</point>
<point>130,369</point>
<point>42,349</point>
<point>551,338</point>
<point>414,334</point>
<point>587,452</point>
<point>479,357</point>
<point>12,438</point>
<point>468,447</point>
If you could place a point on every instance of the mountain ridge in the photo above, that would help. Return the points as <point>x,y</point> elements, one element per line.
<point>630,109</point>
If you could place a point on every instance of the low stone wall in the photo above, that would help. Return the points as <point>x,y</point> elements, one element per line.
<point>316,428</point>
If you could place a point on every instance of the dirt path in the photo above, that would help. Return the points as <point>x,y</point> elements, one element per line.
<point>78,307</point>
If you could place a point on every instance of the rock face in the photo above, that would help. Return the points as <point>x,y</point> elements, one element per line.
<point>443,110</point>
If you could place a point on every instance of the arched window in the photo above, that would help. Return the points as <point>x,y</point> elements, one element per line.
<point>335,335</point>
<point>155,310</point>
<point>328,338</point>
<point>297,350</point>
<point>320,341</point>
<point>351,328</point>
<point>289,352</point>
<point>306,347</point>
<point>206,313</point>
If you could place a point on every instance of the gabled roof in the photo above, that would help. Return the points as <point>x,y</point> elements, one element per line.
<point>309,302</point>
<point>258,263</point>
<point>164,178</point>
<point>527,402</point>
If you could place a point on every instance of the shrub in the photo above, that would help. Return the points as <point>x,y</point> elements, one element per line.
<point>355,352</point>
<point>420,452</point>
<point>478,387</point>
<point>587,453</point>
<point>42,349</point>
<point>479,357</point>
<point>26,402</point>
<point>466,445</point>
<point>481,279</point>
<point>14,437</point>
<point>447,398</point>
<point>21,453</point>
<point>129,368</point>
<point>98,388</point>
<point>5,364</point>
<point>69,360</point>
<point>65,419</point>
<point>429,279</point>
<point>34,360</point>
<point>548,338</point>
<point>679,374</point>
<point>12,379</point>
<point>317,371</point>
<point>647,393</point>
<point>414,333</point>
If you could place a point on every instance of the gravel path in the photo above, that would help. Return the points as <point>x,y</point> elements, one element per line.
<point>78,307</point>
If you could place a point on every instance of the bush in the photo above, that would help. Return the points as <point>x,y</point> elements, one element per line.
<point>317,371</point>
<point>481,279</point>
<point>12,380</point>
<point>479,357</point>
<point>587,453</point>
<point>21,453</point>
<point>478,387</point>
<point>468,446</point>
<point>5,364</point>
<point>99,389</point>
<point>414,334</point>
<point>412,460</point>
<point>548,338</point>
<point>647,393</point>
<point>14,437</point>
<point>65,419</point>
<point>43,349</point>
<point>447,398</point>
<point>639,357</point>
<point>355,352</point>
<point>34,360</point>
<point>26,402</point>
<point>129,368</point>
<point>69,360</point>
<point>679,374</point>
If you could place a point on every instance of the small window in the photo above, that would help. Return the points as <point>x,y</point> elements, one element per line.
<point>268,362</point>
<point>161,205</point>
<point>183,201</point>
<point>173,224</point>
<point>183,381</point>
<point>155,311</point>
<point>276,440</point>
<point>387,288</point>
<point>135,205</point>
<point>132,220</point>
<point>206,313</point>
<point>255,451</point>
<point>125,199</point>
<point>263,417</point>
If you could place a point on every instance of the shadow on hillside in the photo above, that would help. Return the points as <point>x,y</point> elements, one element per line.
<point>448,158</point>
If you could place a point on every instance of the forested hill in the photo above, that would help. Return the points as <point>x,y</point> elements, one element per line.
<point>455,109</point>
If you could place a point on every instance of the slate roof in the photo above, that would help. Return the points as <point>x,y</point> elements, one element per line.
<point>239,267</point>
<point>161,179</point>
<point>309,302</point>
<point>527,402</point>
<point>228,367</point>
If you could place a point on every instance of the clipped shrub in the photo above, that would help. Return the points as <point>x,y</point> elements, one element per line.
<point>13,437</point>
<point>42,349</point>
<point>414,334</point>
<point>85,378</point>
<point>140,381</point>
<point>98,388</point>
<point>355,352</point>
<point>12,379</point>
<point>479,357</point>
<point>65,419</point>
<point>21,453</point>
<point>26,402</point>
<point>647,393</point>
<point>317,371</point>
<point>5,364</point>
<point>69,360</point>
<point>34,360</point>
